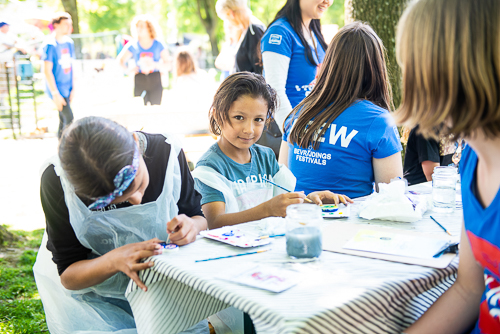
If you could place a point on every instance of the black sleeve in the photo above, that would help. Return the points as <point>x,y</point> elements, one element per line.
<point>189,202</point>
<point>428,149</point>
<point>62,240</point>
<point>255,54</point>
<point>249,57</point>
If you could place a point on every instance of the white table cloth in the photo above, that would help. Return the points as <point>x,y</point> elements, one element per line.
<point>339,294</point>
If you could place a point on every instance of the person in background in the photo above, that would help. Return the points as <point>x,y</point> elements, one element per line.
<point>227,56</point>
<point>58,56</point>
<point>449,53</point>
<point>8,41</point>
<point>188,79</point>
<point>150,56</point>
<point>341,137</point>
<point>248,54</point>
<point>293,49</point>
<point>423,154</point>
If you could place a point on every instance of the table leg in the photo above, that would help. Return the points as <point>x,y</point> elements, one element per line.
<point>248,327</point>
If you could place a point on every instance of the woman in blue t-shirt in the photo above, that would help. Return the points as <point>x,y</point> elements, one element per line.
<point>450,60</point>
<point>149,55</point>
<point>293,48</point>
<point>341,137</point>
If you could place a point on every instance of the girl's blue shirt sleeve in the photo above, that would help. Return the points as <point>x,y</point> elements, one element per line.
<point>277,39</point>
<point>383,137</point>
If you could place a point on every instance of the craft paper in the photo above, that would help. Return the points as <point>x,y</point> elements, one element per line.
<point>234,237</point>
<point>266,278</point>
<point>395,244</point>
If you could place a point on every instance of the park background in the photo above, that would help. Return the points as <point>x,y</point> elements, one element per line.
<point>28,133</point>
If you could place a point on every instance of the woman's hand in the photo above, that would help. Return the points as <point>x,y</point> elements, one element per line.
<point>127,259</point>
<point>327,197</point>
<point>277,205</point>
<point>183,229</point>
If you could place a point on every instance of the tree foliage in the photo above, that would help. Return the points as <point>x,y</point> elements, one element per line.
<point>180,16</point>
<point>109,15</point>
<point>383,16</point>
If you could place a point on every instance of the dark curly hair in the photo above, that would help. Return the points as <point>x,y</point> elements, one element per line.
<point>235,86</point>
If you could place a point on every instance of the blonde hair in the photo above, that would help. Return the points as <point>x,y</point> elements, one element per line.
<point>184,63</point>
<point>238,7</point>
<point>150,22</point>
<point>449,53</point>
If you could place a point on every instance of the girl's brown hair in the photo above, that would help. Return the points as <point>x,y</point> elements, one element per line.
<point>449,53</point>
<point>150,23</point>
<point>231,89</point>
<point>354,68</point>
<point>92,151</point>
<point>184,63</point>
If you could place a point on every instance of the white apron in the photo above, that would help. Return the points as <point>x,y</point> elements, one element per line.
<point>103,308</point>
<point>240,197</point>
<point>244,196</point>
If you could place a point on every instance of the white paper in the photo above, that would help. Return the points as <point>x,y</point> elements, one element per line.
<point>395,244</point>
<point>266,278</point>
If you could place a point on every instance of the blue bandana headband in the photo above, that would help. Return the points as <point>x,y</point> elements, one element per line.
<point>121,181</point>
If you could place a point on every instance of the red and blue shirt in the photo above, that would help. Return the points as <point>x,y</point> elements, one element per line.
<point>483,230</point>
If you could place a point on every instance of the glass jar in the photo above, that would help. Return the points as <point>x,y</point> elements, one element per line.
<point>303,230</point>
<point>444,187</point>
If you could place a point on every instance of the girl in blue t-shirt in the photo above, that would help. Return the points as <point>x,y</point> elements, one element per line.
<point>293,48</point>
<point>149,55</point>
<point>450,60</point>
<point>341,137</point>
<point>230,175</point>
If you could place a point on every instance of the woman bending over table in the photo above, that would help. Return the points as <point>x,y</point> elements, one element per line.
<point>342,137</point>
<point>109,198</point>
<point>449,52</point>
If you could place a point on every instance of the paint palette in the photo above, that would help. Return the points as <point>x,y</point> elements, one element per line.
<point>234,237</point>
<point>335,211</point>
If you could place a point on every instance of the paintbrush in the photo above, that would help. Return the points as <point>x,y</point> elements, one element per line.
<point>277,185</point>
<point>228,256</point>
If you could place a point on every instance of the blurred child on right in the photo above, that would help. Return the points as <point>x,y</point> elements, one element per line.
<point>449,52</point>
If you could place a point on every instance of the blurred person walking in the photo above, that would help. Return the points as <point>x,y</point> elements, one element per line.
<point>150,56</point>
<point>58,56</point>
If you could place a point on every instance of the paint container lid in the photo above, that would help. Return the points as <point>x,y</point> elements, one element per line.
<point>329,208</point>
<point>168,248</point>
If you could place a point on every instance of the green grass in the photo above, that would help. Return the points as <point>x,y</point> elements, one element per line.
<point>21,309</point>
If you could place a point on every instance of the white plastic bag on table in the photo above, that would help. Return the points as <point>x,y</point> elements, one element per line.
<point>391,203</point>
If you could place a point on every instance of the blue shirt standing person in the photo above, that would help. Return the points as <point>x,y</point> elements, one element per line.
<point>341,137</point>
<point>293,48</point>
<point>150,56</point>
<point>58,55</point>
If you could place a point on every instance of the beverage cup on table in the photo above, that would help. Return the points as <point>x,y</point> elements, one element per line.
<point>444,186</point>
<point>303,231</point>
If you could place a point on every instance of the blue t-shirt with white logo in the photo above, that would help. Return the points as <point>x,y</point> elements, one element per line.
<point>263,164</point>
<point>144,58</point>
<point>282,39</point>
<point>61,55</point>
<point>343,161</point>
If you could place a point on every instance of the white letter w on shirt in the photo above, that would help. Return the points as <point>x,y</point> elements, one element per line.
<point>344,141</point>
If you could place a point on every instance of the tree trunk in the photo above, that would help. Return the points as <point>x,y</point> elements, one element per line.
<point>71,8</point>
<point>208,16</point>
<point>383,16</point>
